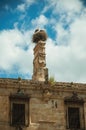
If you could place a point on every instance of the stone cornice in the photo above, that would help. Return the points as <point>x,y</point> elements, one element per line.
<point>36,85</point>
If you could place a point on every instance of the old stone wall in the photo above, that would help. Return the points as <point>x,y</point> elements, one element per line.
<point>46,105</point>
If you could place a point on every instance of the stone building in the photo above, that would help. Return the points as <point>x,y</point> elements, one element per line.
<point>39,104</point>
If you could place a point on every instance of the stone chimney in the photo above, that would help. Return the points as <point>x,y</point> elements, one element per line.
<point>40,72</point>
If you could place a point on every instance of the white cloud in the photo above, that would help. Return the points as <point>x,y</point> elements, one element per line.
<point>65,11</point>
<point>21,7</point>
<point>12,51</point>
<point>78,38</point>
<point>6,7</point>
<point>74,5</point>
<point>63,5</point>
<point>40,21</point>
<point>62,34</point>
<point>68,62</point>
<point>27,3</point>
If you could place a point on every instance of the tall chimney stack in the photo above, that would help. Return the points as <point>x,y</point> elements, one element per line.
<point>40,72</point>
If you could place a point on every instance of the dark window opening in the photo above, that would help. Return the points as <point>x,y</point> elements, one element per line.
<point>73,117</point>
<point>18,114</point>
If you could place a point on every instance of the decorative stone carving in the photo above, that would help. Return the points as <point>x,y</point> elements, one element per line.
<point>20,95</point>
<point>74,98</point>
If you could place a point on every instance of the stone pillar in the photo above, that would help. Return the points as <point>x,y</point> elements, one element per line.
<point>40,72</point>
<point>39,62</point>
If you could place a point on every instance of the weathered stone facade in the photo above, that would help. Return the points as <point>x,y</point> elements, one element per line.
<point>47,104</point>
<point>38,104</point>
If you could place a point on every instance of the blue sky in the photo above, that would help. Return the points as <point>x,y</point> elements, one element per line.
<point>65,24</point>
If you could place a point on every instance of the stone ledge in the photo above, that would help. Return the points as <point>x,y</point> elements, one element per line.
<point>47,122</point>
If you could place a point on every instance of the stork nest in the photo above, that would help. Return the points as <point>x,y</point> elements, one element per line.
<point>39,35</point>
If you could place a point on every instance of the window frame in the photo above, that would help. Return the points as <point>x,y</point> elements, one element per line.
<point>81,114</point>
<point>19,100</point>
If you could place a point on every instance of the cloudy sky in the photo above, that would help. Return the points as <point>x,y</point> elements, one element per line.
<point>65,24</point>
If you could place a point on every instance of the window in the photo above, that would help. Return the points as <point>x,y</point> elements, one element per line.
<point>74,112</point>
<point>73,117</point>
<point>18,114</point>
<point>19,109</point>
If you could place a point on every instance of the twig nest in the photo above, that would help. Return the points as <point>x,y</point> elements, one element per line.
<point>39,35</point>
